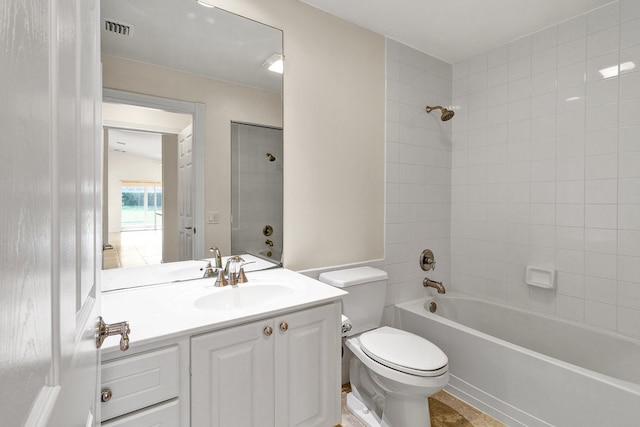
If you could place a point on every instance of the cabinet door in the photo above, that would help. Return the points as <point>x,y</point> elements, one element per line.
<point>308,367</point>
<point>232,377</point>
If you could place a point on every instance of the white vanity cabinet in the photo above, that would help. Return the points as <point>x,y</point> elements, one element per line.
<point>280,371</point>
<point>147,387</point>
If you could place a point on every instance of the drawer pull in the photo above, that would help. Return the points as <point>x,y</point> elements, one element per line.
<point>284,326</point>
<point>105,395</point>
<point>268,330</point>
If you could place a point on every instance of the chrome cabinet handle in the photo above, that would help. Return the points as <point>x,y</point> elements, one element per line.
<point>284,326</point>
<point>106,395</point>
<point>104,330</point>
<point>268,330</point>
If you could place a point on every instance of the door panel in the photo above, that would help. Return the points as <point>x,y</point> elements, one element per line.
<point>25,210</point>
<point>307,372</point>
<point>77,215</point>
<point>50,225</point>
<point>232,377</point>
<point>185,193</point>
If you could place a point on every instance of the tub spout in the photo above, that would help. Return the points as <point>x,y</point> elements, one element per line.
<point>428,283</point>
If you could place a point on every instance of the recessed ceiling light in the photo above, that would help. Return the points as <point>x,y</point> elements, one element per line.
<point>275,63</point>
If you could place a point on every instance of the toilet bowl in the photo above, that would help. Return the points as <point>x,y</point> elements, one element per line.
<point>402,368</point>
<point>392,372</point>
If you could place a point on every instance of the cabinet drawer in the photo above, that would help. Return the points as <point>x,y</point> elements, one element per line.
<point>140,380</point>
<point>163,415</point>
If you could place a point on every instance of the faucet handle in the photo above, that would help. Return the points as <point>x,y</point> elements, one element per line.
<point>427,260</point>
<point>221,280</point>
<point>242,278</point>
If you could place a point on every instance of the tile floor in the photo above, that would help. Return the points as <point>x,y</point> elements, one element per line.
<point>446,411</point>
<point>133,248</point>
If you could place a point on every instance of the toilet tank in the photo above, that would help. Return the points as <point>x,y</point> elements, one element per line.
<point>367,288</point>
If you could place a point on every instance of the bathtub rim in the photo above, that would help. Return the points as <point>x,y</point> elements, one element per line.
<point>417,306</point>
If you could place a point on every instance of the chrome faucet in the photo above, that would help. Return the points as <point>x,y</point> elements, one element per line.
<point>216,254</point>
<point>269,243</point>
<point>209,270</point>
<point>428,283</point>
<point>233,272</point>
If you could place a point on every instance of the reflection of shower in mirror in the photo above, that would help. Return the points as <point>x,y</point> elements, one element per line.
<point>271,157</point>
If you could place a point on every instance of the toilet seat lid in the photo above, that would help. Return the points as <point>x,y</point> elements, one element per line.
<point>404,351</point>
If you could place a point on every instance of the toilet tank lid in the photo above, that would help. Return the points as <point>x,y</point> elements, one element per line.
<point>353,276</point>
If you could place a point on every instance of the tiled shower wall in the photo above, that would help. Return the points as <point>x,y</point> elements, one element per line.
<point>546,170</point>
<point>418,171</point>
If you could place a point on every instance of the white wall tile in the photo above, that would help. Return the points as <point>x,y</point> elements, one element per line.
<point>602,240</point>
<point>630,9</point>
<point>630,86</point>
<point>629,322</point>
<point>600,216</point>
<point>547,169</point>
<point>572,29</point>
<point>571,308</point>
<point>629,217</point>
<point>601,315</point>
<point>630,33</point>
<point>629,243</point>
<point>601,290</point>
<point>601,191</point>
<point>602,67</point>
<point>543,82</point>
<point>572,52</point>
<point>603,17</point>
<point>628,269</point>
<point>602,42</point>
<point>629,295</point>
<point>572,238</point>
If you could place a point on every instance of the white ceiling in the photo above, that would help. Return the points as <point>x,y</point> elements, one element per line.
<point>137,131</point>
<point>456,29</point>
<point>134,143</point>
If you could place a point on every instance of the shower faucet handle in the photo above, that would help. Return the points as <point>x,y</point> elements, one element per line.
<point>427,260</point>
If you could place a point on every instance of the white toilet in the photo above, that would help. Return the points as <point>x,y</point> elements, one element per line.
<point>393,371</point>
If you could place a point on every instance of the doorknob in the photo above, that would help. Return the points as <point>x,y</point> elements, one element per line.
<point>104,330</point>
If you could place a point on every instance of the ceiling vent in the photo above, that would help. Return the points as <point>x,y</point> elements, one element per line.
<point>116,27</point>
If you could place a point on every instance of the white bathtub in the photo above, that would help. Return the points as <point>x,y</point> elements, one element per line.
<point>529,369</point>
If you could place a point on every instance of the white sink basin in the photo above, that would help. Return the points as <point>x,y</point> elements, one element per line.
<point>243,297</point>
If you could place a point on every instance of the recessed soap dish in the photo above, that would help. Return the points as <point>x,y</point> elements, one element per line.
<point>541,277</point>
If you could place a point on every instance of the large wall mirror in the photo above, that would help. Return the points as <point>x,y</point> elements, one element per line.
<point>190,102</point>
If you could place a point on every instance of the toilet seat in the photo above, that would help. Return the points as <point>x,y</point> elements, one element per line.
<point>404,352</point>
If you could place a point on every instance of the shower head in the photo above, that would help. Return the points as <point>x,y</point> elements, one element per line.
<point>446,113</point>
<point>271,157</point>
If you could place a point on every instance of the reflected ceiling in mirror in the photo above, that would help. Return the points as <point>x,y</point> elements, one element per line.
<point>184,35</point>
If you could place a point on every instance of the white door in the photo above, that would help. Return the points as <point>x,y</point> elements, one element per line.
<point>50,221</point>
<point>185,191</point>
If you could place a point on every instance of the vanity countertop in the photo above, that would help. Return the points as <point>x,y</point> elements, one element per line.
<point>163,311</point>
